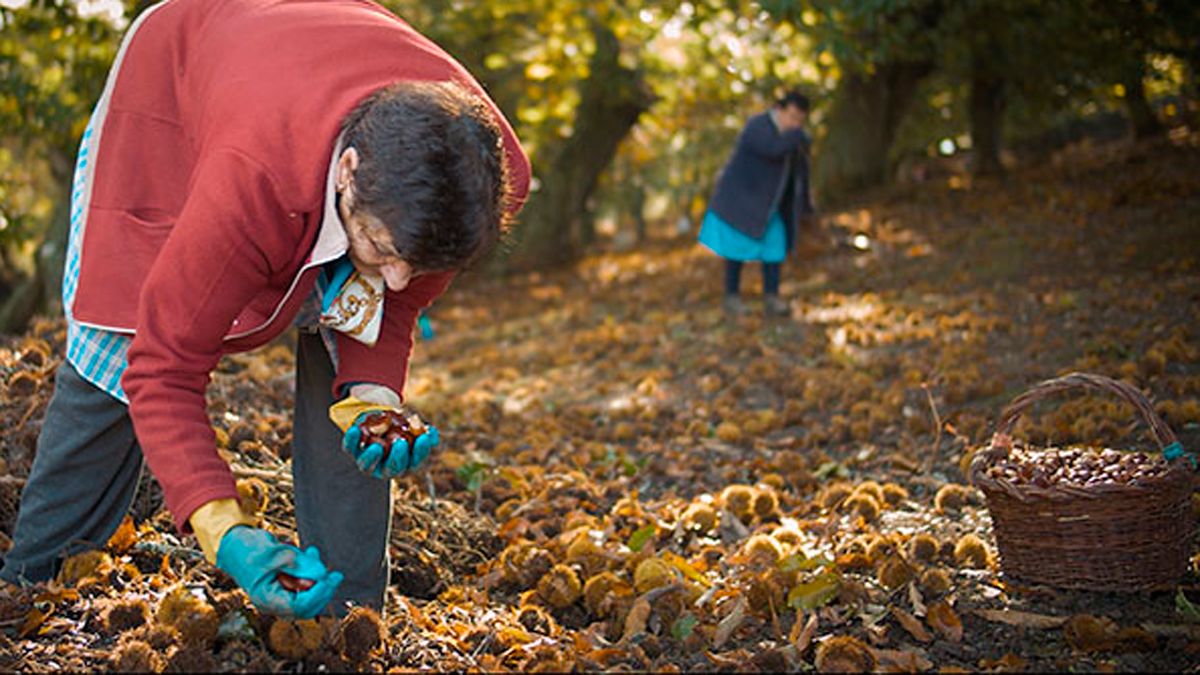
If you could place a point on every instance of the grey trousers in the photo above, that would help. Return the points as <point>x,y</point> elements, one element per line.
<point>88,463</point>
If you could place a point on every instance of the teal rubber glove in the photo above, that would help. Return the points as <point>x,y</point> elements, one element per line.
<point>254,558</point>
<point>400,457</point>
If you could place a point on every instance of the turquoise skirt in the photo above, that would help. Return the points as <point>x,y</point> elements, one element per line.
<point>728,242</point>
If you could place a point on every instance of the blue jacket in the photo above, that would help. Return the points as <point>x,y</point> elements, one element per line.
<point>767,169</point>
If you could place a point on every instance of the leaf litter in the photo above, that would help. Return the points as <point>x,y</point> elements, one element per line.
<point>629,480</point>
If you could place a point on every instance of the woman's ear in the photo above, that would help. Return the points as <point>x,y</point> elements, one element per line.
<point>346,165</point>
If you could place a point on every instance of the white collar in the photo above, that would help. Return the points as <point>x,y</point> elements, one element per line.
<point>331,240</point>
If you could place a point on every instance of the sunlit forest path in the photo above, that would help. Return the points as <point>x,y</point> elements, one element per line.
<point>972,292</point>
<point>630,479</point>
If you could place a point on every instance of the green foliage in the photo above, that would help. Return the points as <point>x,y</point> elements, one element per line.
<point>708,64</point>
<point>683,626</point>
<point>53,62</point>
<point>641,537</point>
<point>52,68</point>
<point>473,474</point>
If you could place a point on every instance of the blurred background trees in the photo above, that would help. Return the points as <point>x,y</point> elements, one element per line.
<point>629,109</point>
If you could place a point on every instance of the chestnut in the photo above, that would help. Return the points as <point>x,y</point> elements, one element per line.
<point>385,427</point>
<point>294,584</point>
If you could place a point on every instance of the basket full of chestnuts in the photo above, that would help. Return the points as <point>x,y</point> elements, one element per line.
<point>1084,517</point>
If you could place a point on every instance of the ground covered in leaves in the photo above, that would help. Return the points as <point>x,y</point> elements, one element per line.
<point>630,480</point>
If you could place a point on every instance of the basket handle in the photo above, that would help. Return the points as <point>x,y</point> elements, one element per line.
<point>1002,440</point>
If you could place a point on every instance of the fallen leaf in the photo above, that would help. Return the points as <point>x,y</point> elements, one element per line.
<point>640,537</point>
<point>124,538</point>
<point>635,622</point>
<point>605,657</point>
<point>902,660</point>
<point>1186,608</point>
<point>730,623</point>
<point>945,621</point>
<point>511,636</point>
<point>1134,639</point>
<point>731,661</point>
<point>731,528</point>
<point>1013,617</point>
<point>1090,633</point>
<point>1169,630</point>
<point>803,631</point>
<point>35,618</point>
<point>683,626</point>
<point>685,567</point>
<point>914,597</point>
<point>815,593</point>
<point>57,593</point>
<point>911,624</point>
<point>1009,663</point>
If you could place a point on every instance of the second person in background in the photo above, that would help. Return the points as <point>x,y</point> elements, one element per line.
<point>761,196</point>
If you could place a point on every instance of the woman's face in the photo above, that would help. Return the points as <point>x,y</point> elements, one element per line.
<point>792,116</point>
<point>372,249</point>
<point>372,252</point>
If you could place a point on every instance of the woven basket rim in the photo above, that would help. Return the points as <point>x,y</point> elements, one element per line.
<point>1001,444</point>
<point>1176,476</point>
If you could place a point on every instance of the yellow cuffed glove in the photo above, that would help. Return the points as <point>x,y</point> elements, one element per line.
<point>373,458</point>
<point>212,520</point>
<point>346,411</point>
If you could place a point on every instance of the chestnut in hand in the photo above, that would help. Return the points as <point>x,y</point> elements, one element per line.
<point>294,584</point>
<point>388,442</point>
<point>385,427</point>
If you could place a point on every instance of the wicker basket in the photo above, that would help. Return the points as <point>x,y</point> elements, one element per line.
<point>1104,537</point>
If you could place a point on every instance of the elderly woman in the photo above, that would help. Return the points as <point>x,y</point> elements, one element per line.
<point>760,197</point>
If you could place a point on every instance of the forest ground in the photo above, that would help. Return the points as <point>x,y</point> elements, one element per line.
<point>629,479</point>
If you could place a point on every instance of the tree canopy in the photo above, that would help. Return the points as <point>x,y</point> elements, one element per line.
<point>629,109</point>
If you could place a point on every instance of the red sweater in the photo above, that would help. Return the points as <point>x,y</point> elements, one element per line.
<point>218,127</point>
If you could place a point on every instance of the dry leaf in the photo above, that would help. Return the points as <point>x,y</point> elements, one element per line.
<point>902,660</point>
<point>635,622</point>
<point>730,623</point>
<point>911,624</point>
<point>1009,663</point>
<point>1090,633</point>
<point>730,661</point>
<point>803,631</point>
<point>685,567</point>
<point>1173,630</point>
<point>1134,639</point>
<point>943,619</point>
<point>124,538</point>
<point>35,618</point>
<point>815,593</point>
<point>1023,619</point>
<point>731,529</point>
<point>918,602</point>
<point>84,565</point>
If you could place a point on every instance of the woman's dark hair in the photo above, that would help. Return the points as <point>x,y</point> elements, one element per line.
<point>793,97</point>
<point>431,168</point>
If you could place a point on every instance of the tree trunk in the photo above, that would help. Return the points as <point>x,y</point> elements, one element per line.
<point>866,111</point>
<point>1141,115</point>
<point>641,228</point>
<point>986,118</point>
<point>554,224</point>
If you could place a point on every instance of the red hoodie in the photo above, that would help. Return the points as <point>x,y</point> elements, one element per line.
<point>207,196</point>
